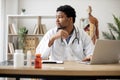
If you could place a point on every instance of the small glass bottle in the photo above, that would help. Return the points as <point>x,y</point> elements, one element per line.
<point>29,56</point>
<point>38,61</point>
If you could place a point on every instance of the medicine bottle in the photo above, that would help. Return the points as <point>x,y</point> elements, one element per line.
<point>38,61</point>
<point>18,59</point>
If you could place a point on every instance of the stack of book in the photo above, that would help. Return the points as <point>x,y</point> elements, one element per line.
<point>39,28</point>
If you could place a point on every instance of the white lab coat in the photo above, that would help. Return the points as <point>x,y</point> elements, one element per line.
<point>64,51</point>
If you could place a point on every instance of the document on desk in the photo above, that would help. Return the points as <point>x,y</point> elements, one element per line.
<point>84,62</point>
<point>52,62</point>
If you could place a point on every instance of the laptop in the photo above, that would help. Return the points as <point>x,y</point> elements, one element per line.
<point>106,52</point>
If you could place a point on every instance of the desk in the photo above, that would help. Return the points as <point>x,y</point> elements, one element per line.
<point>66,70</point>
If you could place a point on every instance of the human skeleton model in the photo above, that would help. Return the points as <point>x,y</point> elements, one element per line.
<point>92,27</point>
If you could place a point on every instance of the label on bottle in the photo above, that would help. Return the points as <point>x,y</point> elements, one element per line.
<point>38,61</point>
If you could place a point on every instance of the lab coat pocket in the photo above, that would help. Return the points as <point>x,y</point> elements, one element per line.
<point>77,47</point>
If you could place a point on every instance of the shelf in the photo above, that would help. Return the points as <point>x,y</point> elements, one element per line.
<point>30,16</point>
<point>36,25</point>
<point>27,35</point>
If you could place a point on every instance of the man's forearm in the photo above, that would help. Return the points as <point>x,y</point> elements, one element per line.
<point>51,41</point>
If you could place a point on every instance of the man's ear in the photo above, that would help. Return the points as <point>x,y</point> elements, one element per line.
<point>70,19</point>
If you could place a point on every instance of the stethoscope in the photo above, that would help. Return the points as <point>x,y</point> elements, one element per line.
<point>75,39</point>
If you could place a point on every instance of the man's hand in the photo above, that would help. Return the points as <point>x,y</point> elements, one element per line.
<point>88,58</point>
<point>60,34</point>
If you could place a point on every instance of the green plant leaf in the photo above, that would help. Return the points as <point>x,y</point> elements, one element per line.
<point>22,34</point>
<point>113,29</point>
<point>117,22</point>
<point>107,36</point>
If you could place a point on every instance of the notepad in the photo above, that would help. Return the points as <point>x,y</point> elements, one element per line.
<point>52,62</point>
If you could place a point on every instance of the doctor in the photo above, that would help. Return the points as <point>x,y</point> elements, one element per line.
<point>66,41</point>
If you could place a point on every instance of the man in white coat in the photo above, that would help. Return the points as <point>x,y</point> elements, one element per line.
<point>66,41</point>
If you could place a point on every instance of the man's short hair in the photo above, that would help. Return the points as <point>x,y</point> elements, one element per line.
<point>68,10</point>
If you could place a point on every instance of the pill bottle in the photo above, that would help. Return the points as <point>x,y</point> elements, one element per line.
<point>38,61</point>
<point>18,58</point>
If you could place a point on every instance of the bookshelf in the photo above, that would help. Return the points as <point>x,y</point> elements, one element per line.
<point>36,30</point>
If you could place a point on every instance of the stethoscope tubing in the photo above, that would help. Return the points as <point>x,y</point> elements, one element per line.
<point>76,38</point>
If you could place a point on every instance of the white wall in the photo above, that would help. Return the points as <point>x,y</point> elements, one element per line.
<point>11,6</point>
<point>1,29</point>
<point>102,9</point>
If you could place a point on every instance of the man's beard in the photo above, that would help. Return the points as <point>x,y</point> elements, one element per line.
<point>61,27</point>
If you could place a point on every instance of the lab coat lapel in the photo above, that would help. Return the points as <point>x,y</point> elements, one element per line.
<point>72,38</point>
<point>68,51</point>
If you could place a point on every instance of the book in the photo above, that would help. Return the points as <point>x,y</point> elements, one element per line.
<point>35,29</point>
<point>44,28</point>
<point>12,29</point>
<point>9,29</point>
<point>40,29</point>
<point>11,47</point>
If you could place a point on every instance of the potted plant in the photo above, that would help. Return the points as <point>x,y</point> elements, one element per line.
<point>21,37</point>
<point>114,30</point>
